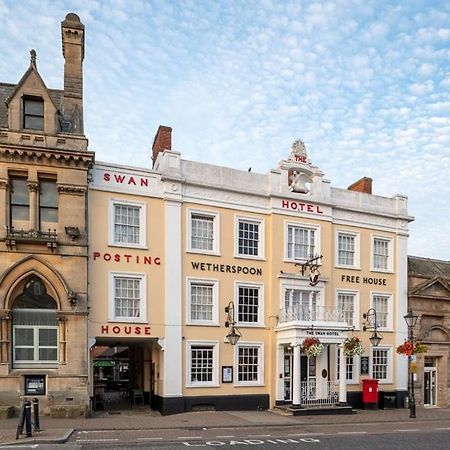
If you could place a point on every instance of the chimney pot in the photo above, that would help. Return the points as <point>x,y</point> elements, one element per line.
<point>362,185</point>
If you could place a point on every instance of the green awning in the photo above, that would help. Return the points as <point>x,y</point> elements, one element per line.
<point>103,363</point>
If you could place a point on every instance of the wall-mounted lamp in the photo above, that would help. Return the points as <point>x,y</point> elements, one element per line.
<point>371,324</point>
<point>234,335</point>
<point>73,232</point>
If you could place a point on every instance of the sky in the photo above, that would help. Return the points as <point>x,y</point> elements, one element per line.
<point>365,84</point>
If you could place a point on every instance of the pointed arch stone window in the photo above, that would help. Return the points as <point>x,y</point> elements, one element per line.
<point>35,326</point>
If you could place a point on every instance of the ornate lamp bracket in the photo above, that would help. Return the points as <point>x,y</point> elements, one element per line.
<point>312,264</point>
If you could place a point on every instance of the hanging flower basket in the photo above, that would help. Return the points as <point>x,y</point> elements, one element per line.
<point>353,346</point>
<point>409,348</point>
<point>312,347</point>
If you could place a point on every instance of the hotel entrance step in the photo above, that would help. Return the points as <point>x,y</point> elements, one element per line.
<point>289,410</point>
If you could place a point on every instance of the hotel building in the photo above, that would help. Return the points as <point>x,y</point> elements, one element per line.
<point>179,251</point>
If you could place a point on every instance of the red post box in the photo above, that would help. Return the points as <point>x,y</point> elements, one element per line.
<point>370,393</point>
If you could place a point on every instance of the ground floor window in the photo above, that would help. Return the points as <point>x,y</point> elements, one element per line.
<point>202,369</point>
<point>381,364</point>
<point>249,363</point>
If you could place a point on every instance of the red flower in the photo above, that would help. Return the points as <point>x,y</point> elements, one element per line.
<point>406,348</point>
<point>308,342</point>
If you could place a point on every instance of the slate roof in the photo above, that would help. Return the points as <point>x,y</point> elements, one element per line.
<point>6,89</point>
<point>427,267</point>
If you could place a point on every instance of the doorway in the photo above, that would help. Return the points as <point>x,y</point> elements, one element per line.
<point>307,375</point>
<point>118,377</point>
<point>287,373</point>
<point>430,382</point>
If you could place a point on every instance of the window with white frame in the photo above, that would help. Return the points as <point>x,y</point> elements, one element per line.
<point>382,254</point>
<point>300,304</point>
<point>203,231</point>
<point>202,363</point>
<point>350,368</point>
<point>347,249</point>
<point>250,237</point>
<point>249,304</point>
<point>128,297</point>
<point>381,362</point>
<point>203,301</point>
<point>301,242</point>
<point>249,363</point>
<point>382,305</point>
<point>347,306</point>
<point>127,226</point>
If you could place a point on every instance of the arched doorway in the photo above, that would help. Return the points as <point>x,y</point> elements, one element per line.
<point>34,326</point>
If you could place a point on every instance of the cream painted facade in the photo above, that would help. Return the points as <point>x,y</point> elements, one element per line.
<point>223,235</point>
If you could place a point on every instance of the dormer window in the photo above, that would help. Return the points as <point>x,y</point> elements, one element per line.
<point>33,113</point>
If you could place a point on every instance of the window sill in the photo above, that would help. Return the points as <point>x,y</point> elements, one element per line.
<point>250,257</point>
<point>337,266</point>
<point>131,246</point>
<point>381,270</point>
<point>26,367</point>
<point>203,324</point>
<point>249,384</point>
<point>203,252</point>
<point>130,320</point>
<point>250,325</point>
<point>194,386</point>
<point>298,261</point>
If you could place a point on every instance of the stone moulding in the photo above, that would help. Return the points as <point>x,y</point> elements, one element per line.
<point>71,189</point>
<point>75,158</point>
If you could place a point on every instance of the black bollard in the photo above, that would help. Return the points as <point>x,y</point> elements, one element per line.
<point>21,422</point>
<point>28,418</point>
<point>37,426</point>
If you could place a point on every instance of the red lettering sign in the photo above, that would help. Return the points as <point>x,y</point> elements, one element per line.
<point>127,329</point>
<point>119,178</point>
<point>299,206</point>
<point>126,258</point>
<point>300,158</point>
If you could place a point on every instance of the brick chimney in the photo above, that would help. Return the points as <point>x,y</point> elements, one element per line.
<point>362,185</point>
<point>161,142</point>
<point>72,33</point>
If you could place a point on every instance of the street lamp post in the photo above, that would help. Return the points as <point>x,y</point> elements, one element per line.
<point>411,320</point>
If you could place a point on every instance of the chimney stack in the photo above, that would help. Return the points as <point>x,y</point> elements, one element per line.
<point>162,141</point>
<point>362,185</point>
<point>72,33</point>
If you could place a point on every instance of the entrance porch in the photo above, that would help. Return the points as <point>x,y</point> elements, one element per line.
<point>312,384</point>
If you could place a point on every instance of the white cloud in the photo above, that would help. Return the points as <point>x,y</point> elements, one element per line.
<point>368,81</point>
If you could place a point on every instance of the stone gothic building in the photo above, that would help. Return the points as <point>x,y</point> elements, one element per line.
<point>44,165</point>
<point>429,298</point>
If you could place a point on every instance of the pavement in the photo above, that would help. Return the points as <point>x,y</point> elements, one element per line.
<point>59,430</point>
